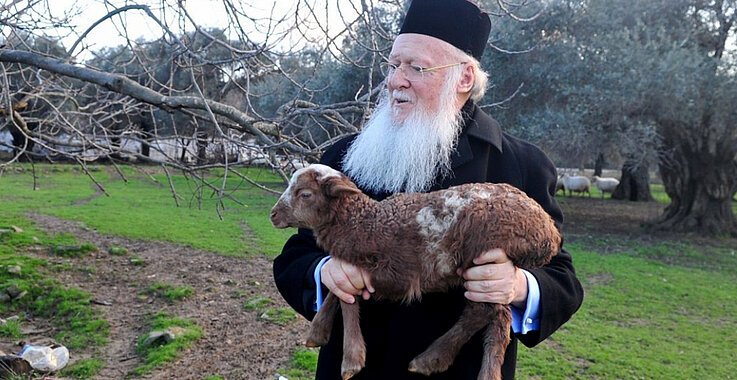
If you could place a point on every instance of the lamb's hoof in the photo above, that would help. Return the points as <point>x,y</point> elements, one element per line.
<point>348,373</point>
<point>312,342</point>
<point>418,369</point>
<point>429,362</point>
<point>353,363</point>
<point>316,339</point>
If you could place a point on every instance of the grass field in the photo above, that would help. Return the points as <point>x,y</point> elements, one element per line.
<point>144,208</point>
<point>656,307</point>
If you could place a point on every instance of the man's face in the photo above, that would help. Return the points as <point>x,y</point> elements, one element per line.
<point>410,137</point>
<point>423,51</point>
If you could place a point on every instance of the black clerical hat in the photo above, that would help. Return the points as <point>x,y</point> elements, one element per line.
<point>458,22</point>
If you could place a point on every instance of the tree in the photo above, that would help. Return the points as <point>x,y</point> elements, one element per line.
<point>655,80</point>
<point>199,86</point>
<point>686,73</point>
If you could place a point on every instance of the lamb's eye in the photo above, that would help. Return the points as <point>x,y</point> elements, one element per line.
<point>305,195</point>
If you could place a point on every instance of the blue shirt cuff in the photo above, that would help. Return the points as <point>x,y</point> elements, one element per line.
<point>318,284</point>
<point>528,319</point>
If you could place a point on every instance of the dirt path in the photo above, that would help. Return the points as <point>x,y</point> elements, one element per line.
<point>236,344</point>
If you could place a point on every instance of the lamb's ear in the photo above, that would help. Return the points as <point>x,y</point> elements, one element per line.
<point>336,186</point>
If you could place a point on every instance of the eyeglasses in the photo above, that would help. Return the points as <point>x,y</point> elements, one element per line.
<point>411,72</point>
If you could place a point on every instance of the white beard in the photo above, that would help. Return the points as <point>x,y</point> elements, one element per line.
<point>406,156</point>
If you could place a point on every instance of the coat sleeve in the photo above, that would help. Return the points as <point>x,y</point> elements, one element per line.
<point>294,272</point>
<point>561,293</point>
<point>294,268</point>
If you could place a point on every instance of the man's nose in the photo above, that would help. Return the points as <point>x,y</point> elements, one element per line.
<point>398,79</point>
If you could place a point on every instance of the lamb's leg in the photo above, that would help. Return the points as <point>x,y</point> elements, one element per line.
<point>441,353</point>
<point>496,339</point>
<point>354,348</point>
<point>322,324</point>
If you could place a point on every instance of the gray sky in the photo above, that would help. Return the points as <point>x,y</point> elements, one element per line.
<point>206,13</point>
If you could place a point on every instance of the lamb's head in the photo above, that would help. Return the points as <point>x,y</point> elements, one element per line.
<point>306,203</point>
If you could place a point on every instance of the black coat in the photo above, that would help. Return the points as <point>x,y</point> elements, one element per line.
<point>395,333</point>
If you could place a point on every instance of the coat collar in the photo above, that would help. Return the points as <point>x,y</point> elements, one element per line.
<point>479,125</point>
<point>482,126</point>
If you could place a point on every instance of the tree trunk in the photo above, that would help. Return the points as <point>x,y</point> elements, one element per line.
<point>634,184</point>
<point>147,135</point>
<point>21,144</point>
<point>201,139</point>
<point>599,164</point>
<point>183,156</point>
<point>700,187</point>
<point>145,148</point>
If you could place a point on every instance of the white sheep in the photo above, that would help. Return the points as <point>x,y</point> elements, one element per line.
<point>559,185</point>
<point>577,183</point>
<point>605,184</point>
<point>411,244</point>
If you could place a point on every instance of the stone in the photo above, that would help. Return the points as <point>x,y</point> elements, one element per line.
<point>17,229</point>
<point>14,269</point>
<point>157,338</point>
<point>13,291</point>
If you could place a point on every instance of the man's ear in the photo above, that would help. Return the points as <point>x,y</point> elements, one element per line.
<point>468,76</point>
<point>338,186</point>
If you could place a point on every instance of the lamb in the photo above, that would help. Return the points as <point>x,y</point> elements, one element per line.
<point>605,184</point>
<point>576,183</point>
<point>412,244</point>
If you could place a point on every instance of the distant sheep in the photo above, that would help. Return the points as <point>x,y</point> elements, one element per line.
<point>559,185</point>
<point>411,244</point>
<point>576,184</point>
<point>605,184</point>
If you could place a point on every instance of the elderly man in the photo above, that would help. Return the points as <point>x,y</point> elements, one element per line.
<point>427,133</point>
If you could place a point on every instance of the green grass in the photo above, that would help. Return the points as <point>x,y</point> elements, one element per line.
<point>117,251</point>
<point>170,292</point>
<point>145,209</point>
<point>83,369</point>
<point>186,333</point>
<point>257,303</point>
<point>642,318</point>
<point>81,325</point>
<point>281,316</point>
<point>77,324</point>
<point>302,366</point>
<point>73,250</point>
<point>659,194</point>
<point>11,329</point>
<point>136,261</point>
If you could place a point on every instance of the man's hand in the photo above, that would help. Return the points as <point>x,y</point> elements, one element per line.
<point>346,280</point>
<point>495,279</point>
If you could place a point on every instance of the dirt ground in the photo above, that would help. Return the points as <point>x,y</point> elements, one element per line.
<point>236,343</point>
<point>584,215</point>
